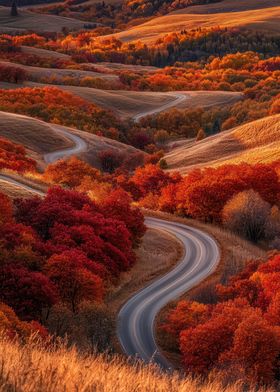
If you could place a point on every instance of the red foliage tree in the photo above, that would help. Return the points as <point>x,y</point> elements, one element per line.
<point>75,282</point>
<point>27,292</point>
<point>118,206</point>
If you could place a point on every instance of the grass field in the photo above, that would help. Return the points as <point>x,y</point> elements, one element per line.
<point>35,368</point>
<point>256,14</point>
<point>39,138</point>
<point>127,104</point>
<point>36,22</point>
<point>258,141</point>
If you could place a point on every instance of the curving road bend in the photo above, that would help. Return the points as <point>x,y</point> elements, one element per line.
<point>179,98</point>
<point>79,145</point>
<point>137,317</point>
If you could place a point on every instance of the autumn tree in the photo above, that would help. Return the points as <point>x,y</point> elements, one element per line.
<point>118,205</point>
<point>150,178</point>
<point>247,215</point>
<point>70,172</point>
<point>6,209</point>
<point>27,292</point>
<point>75,282</point>
<point>110,160</point>
<point>255,350</point>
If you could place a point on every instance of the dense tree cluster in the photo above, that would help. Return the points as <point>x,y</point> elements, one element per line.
<point>239,335</point>
<point>12,74</point>
<point>54,105</point>
<point>64,248</point>
<point>13,157</point>
<point>185,46</point>
<point>13,327</point>
<point>243,197</point>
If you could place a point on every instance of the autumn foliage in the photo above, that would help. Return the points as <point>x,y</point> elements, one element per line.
<point>54,105</point>
<point>64,248</point>
<point>14,157</point>
<point>240,334</point>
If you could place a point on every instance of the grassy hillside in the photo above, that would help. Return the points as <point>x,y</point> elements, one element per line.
<point>39,73</point>
<point>40,137</point>
<point>228,13</point>
<point>35,135</point>
<point>33,367</point>
<point>254,142</point>
<point>30,21</point>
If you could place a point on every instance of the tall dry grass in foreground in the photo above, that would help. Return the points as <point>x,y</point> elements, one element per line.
<point>34,368</point>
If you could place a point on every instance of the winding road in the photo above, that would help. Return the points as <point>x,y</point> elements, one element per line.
<point>79,145</point>
<point>136,319</point>
<point>136,329</point>
<point>179,98</point>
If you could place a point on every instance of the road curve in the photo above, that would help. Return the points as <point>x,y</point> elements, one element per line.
<point>79,145</point>
<point>136,319</point>
<point>179,98</point>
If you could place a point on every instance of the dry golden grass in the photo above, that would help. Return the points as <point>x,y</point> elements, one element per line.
<point>32,368</point>
<point>255,142</point>
<point>30,180</point>
<point>229,13</point>
<point>32,21</point>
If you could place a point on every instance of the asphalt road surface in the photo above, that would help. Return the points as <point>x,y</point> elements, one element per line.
<point>79,145</point>
<point>179,98</point>
<point>136,319</point>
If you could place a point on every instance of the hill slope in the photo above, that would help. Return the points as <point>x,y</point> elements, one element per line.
<point>40,138</point>
<point>32,21</point>
<point>228,13</point>
<point>258,141</point>
<point>67,370</point>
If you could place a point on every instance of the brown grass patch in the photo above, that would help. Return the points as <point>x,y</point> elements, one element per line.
<point>36,136</point>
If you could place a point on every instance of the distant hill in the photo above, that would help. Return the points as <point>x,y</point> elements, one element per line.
<point>27,20</point>
<point>229,13</point>
<point>255,142</point>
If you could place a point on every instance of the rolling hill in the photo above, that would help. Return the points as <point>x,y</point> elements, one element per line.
<point>128,104</point>
<point>36,22</point>
<point>37,73</point>
<point>39,138</point>
<point>255,142</point>
<point>252,14</point>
